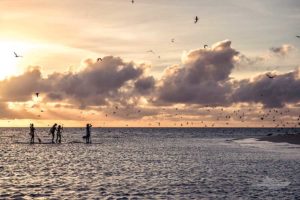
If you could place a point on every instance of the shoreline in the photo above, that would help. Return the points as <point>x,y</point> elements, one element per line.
<point>287,138</point>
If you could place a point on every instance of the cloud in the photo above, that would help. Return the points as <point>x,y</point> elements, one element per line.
<point>283,50</point>
<point>244,60</point>
<point>21,88</point>
<point>96,84</point>
<point>145,85</point>
<point>7,113</point>
<point>283,89</point>
<point>203,78</point>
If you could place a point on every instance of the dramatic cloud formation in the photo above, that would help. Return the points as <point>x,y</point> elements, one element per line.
<point>98,83</point>
<point>203,78</point>
<point>124,90</point>
<point>282,50</point>
<point>284,88</point>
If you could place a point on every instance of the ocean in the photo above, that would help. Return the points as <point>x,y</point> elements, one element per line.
<point>149,163</point>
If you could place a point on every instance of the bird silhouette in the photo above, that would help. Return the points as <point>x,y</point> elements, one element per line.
<point>17,56</point>
<point>205,46</point>
<point>132,1</point>
<point>196,19</point>
<point>172,40</point>
<point>99,59</point>
<point>37,94</point>
<point>298,36</point>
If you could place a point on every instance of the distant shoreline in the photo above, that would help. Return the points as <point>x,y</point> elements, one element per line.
<point>288,138</point>
<point>160,127</point>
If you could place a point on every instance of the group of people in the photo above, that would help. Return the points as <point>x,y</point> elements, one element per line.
<point>58,129</point>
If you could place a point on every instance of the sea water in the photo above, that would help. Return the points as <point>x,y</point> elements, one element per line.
<point>149,163</point>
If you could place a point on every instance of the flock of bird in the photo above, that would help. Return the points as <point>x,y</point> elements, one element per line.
<point>272,115</point>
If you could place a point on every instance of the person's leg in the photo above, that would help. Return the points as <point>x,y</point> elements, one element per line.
<point>52,137</point>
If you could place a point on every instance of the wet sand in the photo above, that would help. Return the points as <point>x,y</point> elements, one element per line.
<point>287,138</point>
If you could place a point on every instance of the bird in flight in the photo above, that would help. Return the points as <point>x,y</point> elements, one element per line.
<point>196,19</point>
<point>298,36</point>
<point>271,76</point>
<point>205,46</point>
<point>17,56</point>
<point>172,40</point>
<point>132,1</point>
<point>99,59</point>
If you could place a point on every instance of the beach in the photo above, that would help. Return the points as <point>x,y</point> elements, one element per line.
<point>148,164</point>
<point>286,138</point>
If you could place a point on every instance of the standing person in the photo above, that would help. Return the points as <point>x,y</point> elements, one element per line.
<point>88,133</point>
<point>31,133</point>
<point>52,131</point>
<point>58,134</point>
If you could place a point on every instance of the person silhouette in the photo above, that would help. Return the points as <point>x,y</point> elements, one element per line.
<point>58,134</point>
<point>52,131</point>
<point>88,133</point>
<point>31,133</point>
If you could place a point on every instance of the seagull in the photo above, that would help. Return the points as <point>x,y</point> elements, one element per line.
<point>205,46</point>
<point>196,19</point>
<point>17,56</point>
<point>269,75</point>
<point>99,59</point>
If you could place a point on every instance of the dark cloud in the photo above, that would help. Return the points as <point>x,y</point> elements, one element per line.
<point>96,84</point>
<point>145,85</point>
<point>203,78</point>
<point>277,92</point>
<point>283,50</point>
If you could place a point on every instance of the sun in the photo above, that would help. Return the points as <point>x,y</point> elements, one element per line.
<point>10,64</point>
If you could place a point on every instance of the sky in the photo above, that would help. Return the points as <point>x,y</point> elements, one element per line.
<point>155,70</point>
